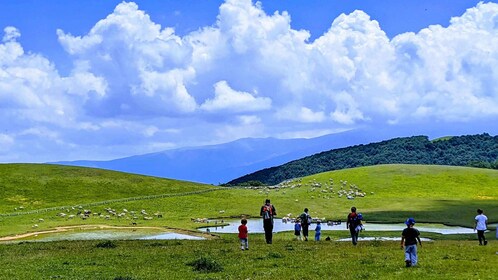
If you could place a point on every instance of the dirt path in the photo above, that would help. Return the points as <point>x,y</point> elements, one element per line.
<point>99,227</point>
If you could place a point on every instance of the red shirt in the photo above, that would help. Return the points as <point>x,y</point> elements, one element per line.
<point>242,231</point>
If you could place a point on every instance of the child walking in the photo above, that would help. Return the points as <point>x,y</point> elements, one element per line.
<point>318,231</point>
<point>297,229</point>
<point>409,238</point>
<point>244,243</point>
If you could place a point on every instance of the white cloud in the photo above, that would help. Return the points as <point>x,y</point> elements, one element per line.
<point>300,114</point>
<point>10,34</point>
<point>29,84</point>
<point>135,83</point>
<point>228,100</point>
<point>142,67</point>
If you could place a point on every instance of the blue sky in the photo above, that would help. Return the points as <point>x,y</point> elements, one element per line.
<point>106,79</point>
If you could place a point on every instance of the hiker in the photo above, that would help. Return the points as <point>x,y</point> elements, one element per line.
<point>409,238</point>
<point>318,231</point>
<point>305,223</point>
<point>351,224</point>
<point>244,243</point>
<point>297,229</point>
<point>480,225</point>
<point>268,212</point>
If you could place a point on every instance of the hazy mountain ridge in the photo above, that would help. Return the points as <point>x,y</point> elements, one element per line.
<point>221,163</point>
<point>469,150</point>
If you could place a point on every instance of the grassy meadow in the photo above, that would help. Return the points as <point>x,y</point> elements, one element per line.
<point>33,196</point>
<point>222,259</point>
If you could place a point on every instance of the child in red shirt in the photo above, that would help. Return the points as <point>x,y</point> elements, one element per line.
<point>243,235</point>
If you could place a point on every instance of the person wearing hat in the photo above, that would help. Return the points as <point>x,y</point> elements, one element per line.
<point>267,212</point>
<point>409,238</point>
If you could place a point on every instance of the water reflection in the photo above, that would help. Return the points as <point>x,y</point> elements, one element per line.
<point>256,226</point>
<point>112,235</point>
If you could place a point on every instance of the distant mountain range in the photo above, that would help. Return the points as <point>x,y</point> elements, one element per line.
<point>216,164</point>
<point>469,150</point>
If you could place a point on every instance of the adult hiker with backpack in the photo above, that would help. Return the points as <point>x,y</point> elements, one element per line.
<point>305,223</point>
<point>267,213</point>
<point>352,222</point>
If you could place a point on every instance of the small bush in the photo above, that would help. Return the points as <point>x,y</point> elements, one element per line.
<point>106,244</point>
<point>205,265</point>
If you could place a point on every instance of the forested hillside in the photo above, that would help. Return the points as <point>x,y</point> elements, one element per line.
<point>470,150</point>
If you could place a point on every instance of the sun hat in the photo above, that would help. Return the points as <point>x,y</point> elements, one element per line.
<point>410,221</point>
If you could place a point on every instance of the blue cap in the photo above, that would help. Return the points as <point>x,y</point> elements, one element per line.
<point>410,221</point>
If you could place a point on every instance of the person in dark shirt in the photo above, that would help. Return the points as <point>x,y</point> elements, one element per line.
<point>409,238</point>
<point>351,224</point>
<point>305,222</point>
<point>267,213</point>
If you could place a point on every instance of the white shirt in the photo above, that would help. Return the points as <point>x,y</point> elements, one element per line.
<point>481,220</point>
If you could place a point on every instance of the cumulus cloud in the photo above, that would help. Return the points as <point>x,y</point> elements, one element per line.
<point>227,99</point>
<point>136,85</point>
<point>29,85</point>
<point>145,68</point>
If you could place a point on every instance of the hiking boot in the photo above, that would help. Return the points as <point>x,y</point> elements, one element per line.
<point>408,263</point>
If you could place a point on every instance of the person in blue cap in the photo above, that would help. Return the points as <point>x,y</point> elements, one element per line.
<point>409,238</point>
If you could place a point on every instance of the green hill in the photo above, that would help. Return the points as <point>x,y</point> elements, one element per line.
<point>471,150</point>
<point>34,186</point>
<point>439,194</point>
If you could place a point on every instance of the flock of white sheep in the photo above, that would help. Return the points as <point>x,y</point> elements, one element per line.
<point>325,190</point>
<point>107,214</point>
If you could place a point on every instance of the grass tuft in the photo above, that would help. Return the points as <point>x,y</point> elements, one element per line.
<point>106,244</point>
<point>205,265</point>
<point>123,278</point>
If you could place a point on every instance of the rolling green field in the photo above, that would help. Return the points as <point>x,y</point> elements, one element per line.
<point>222,259</point>
<point>33,197</point>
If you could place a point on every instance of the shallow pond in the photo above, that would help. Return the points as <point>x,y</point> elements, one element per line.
<point>381,239</point>
<point>111,235</point>
<point>256,226</point>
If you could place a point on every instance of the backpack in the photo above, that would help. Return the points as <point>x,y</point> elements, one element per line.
<point>354,220</point>
<point>305,218</point>
<point>267,212</point>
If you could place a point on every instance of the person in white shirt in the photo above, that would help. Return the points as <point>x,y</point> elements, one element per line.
<point>480,225</point>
